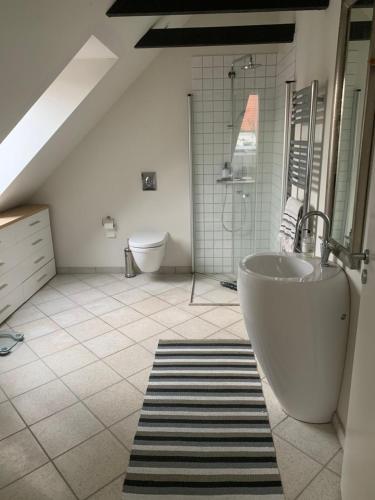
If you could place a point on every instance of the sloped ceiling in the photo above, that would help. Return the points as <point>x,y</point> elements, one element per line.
<point>37,40</point>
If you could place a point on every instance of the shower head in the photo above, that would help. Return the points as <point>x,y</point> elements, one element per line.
<point>248,64</point>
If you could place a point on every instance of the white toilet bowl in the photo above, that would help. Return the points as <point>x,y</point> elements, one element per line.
<point>148,249</point>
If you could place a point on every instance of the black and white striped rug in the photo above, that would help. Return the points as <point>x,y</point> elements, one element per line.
<point>203,431</point>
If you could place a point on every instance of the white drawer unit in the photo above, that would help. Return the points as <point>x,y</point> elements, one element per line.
<point>10,303</point>
<point>37,259</point>
<point>26,255</point>
<point>39,279</point>
<point>32,224</point>
<point>7,237</point>
<point>35,242</point>
<point>9,258</point>
<point>10,280</point>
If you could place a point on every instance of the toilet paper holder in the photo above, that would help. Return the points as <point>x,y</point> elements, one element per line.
<point>109,222</point>
<point>110,227</point>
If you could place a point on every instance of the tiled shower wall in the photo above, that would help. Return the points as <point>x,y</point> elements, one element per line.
<point>251,209</point>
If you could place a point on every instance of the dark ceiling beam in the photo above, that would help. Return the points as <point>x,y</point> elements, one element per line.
<point>172,7</point>
<point>360,30</point>
<point>360,4</point>
<point>228,35</point>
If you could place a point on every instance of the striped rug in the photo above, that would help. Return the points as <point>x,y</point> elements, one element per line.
<point>203,431</point>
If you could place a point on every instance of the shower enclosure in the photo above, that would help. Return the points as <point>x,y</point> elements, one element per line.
<point>237,122</point>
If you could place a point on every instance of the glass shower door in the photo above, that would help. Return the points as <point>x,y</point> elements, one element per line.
<point>245,168</point>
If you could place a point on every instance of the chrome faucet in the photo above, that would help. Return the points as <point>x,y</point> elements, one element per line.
<point>325,248</point>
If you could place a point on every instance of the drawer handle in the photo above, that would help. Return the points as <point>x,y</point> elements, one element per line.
<point>39,260</point>
<point>4,285</point>
<point>4,308</point>
<point>42,277</point>
<point>34,223</point>
<point>37,241</point>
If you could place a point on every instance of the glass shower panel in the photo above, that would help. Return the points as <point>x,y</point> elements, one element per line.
<point>245,166</point>
<point>233,122</point>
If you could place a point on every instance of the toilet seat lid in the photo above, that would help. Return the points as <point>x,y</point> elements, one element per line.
<point>147,239</point>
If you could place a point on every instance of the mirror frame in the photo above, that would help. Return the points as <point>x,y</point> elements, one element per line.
<point>351,257</point>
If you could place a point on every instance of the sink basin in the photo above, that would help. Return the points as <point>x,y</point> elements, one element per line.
<point>279,266</point>
<point>296,315</point>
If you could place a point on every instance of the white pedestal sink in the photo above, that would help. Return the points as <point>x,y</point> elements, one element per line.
<point>297,315</point>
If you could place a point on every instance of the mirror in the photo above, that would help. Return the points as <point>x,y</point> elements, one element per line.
<point>352,107</point>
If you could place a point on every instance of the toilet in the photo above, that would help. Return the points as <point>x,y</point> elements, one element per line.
<point>148,249</point>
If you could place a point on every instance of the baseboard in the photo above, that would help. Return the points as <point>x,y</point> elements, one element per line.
<point>120,270</point>
<point>339,428</point>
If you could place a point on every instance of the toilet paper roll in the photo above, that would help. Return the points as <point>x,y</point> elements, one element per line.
<point>110,233</point>
<point>108,226</point>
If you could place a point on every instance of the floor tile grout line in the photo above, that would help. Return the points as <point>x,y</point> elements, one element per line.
<point>322,467</point>
<point>52,460</point>
<point>329,461</point>
<point>308,484</point>
<point>2,488</point>
<point>58,377</point>
<point>31,389</point>
<point>63,478</point>
<point>83,401</point>
<point>27,427</point>
<point>50,317</point>
<point>78,343</point>
<point>95,361</point>
<point>300,449</point>
<point>55,352</point>
<point>102,487</point>
<point>105,427</point>
<point>78,400</point>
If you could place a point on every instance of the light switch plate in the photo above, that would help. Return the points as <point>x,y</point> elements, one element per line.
<point>149,181</point>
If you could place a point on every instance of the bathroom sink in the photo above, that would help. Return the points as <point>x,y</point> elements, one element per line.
<point>296,315</point>
<point>279,266</point>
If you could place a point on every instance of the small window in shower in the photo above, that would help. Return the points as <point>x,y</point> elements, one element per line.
<point>247,137</point>
<point>245,152</point>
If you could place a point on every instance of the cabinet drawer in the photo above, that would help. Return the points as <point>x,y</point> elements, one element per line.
<point>34,242</point>
<point>38,279</point>
<point>9,258</point>
<point>31,225</point>
<point>10,280</point>
<point>7,236</point>
<point>37,260</point>
<point>10,303</point>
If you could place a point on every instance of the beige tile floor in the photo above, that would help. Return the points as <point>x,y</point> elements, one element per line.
<point>70,395</point>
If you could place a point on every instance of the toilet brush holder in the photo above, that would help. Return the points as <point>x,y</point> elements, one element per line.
<point>129,264</point>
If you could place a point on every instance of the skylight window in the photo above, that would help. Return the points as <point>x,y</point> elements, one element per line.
<point>52,109</point>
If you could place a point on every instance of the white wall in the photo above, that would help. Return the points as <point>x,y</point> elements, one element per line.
<point>41,37</point>
<point>145,130</point>
<point>358,479</point>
